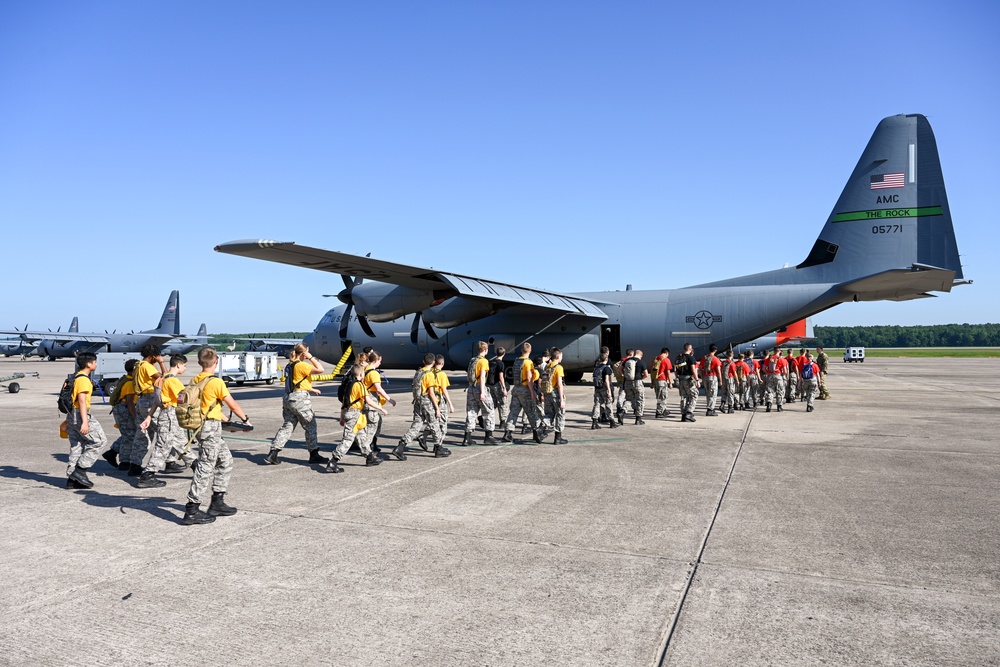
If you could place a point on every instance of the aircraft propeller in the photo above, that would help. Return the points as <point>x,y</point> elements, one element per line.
<point>345,297</point>
<point>417,319</point>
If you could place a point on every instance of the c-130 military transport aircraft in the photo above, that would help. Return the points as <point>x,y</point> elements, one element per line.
<point>889,237</point>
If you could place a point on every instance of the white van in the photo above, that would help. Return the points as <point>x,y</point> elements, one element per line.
<point>854,353</point>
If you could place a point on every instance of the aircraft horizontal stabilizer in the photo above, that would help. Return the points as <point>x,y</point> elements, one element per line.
<point>900,284</point>
<point>440,284</point>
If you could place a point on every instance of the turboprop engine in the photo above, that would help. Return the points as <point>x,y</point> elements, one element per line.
<point>380,302</point>
<point>458,310</point>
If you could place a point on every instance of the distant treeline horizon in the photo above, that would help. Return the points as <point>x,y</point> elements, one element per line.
<point>881,335</point>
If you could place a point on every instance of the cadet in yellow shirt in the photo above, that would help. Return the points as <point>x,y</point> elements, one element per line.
<point>373,383</point>
<point>147,381</point>
<point>296,405</point>
<point>354,419</point>
<point>86,437</point>
<point>171,440</point>
<point>215,462</point>
<point>522,395</point>
<point>426,412</point>
<point>478,401</point>
<point>123,408</point>
<point>555,400</point>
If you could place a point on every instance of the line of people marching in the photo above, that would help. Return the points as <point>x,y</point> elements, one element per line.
<point>154,410</point>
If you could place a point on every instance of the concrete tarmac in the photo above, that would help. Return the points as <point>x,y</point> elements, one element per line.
<point>862,533</point>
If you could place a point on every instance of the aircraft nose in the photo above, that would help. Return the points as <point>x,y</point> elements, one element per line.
<point>308,340</point>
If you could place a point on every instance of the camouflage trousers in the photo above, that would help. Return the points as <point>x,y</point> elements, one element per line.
<point>126,431</point>
<point>362,436</point>
<point>296,409</point>
<point>555,414</point>
<point>477,404</point>
<point>810,389</point>
<point>661,389</point>
<point>791,387</point>
<point>602,405</point>
<point>83,449</point>
<point>688,393</point>
<point>626,394</point>
<point>711,383</point>
<point>501,401</point>
<point>638,396</point>
<point>824,393</point>
<point>774,389</point>
<point>142,439</point>
<point>374,420</point>
<point>215,462</point>
<point>753,387</point>
<point>423,420</point>
<point>171,440</point>
<point>520,399</point>
<point>731,398</point>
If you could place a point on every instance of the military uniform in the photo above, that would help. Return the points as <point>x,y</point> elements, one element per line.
<point>661,383</point>
<point>170,439</point>
<point>476,401</point>
<point>684,368</point>
<point>144,404</point>
<point>214,467</point>
<point>555,413</point>
<point>424,418</point>
<point>810,385</point>
<point>126,422</point>
<point>823,362</point>
<point>602,396</point>
<point>356,424</point>
<point>520,396</point>
<point>83,449</point>
<point>710,364</point>
<point>774,380</point>
<point>296,408</point>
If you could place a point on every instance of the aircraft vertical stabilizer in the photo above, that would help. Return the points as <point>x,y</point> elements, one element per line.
<point>170,320</point>
<point>893,212</point>
<point>74,326</point>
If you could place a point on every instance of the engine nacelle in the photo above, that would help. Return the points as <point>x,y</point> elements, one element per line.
<point>458,310</point>
<point>380,302</point>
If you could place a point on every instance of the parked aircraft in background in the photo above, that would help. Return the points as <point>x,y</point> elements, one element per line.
<point>187,344</point>
<point>282,346</point>
<point>55,345</point>
<point>889,237</point>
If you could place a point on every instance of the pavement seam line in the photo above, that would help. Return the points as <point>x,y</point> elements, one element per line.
<point>664,647</point>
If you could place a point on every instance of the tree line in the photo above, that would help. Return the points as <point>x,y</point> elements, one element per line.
<point>935,335</point>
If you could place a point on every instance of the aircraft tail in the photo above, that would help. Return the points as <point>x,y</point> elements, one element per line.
<point>893,213</point>
<point>74,326</point>
<point>170,320</point>
<point>203,331</point>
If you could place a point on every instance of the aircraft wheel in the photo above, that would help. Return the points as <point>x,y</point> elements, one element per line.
<point>861,360</point>
<point>13,387</point>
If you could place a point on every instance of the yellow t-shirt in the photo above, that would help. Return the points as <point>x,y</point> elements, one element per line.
<point>528,372</point>
<point>128,388</point>
<point>356,401</point>
<point>144,372</point>
<point>82,385</point>
<point>211,397</point>
<point>172,387</point>
<point>372,378</point>
<point>555,373</point>
<point>442,382</point>
<point>427,382</point>
<point>302,376</point>
<point>482,366</point>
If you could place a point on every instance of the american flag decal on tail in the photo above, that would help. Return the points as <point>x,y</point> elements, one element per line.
<point>883,181</point>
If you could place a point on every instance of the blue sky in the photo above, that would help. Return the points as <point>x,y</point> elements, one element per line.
<point>610,136</point>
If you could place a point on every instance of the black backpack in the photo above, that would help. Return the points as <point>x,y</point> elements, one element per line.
<point>291,386</point>
<point>65,400</point>
<point>599,372</point>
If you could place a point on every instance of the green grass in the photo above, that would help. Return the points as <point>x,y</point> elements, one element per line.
<point>924,352</point>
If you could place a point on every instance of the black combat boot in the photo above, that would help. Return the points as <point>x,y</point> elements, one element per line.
<point>399,451</point>
<point>111,456</point>
<point>175,467</point>
<point>333,467</point>
<point>768,407</point>
<point>440,451</point>
<point>422,441</point>
<point>559,440</point>
<point>614,424</point>
<point>508,436</point>
<point>219,506</point>
<point>780,409</point>
<point>73,484</point>
<point>272,457</point>
<point>374,445</point>
<point>466,439</point>
<point>489,439</point>
<point>148,480</point>
<point>134,470</point>
<point>123,466</point>
<point>79,475</point>
<point>372,459</point>
<point>193,515</point>
<point>809,408</point>
<point>621,417</point>
<point>689,417</point>
<point>639,421</point>
<point>536,436</point>
<point>316,457</point>
<point>594,425</point>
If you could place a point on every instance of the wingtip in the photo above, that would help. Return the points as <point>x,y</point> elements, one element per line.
<point>243,244</point>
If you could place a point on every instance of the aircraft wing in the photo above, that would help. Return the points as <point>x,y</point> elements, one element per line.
<point>271,341</point>
<point>451,284</point>
<point>900,284</point>
<point>60,337</point>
